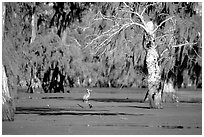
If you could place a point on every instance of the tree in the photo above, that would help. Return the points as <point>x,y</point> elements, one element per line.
<point>8,108</point>
<point>16,36</point>
<point>8,70</point>
<point>159,24</point>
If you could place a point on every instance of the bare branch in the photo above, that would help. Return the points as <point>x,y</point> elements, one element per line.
<point>113,34</point>
<point>146,8</point>
<point>130,18</point>
<point>167,49</point>
<point>106,17</point>
<point>97,18</point>
<point>164,51</point>
<point>184,44</point>
<point>190,44</point>
<point>165,35</point>
<point>77,42</point>
<point>162,54</point>
<point>101,52</point>
<point>170,18</point>
<point>116,28</point>
<point>127,5</point>
<point>193,58</point>
<point>180,45</point>
<point>196,52</point>
<point>109,38</point>
<point>107,33</point>
<point>141,17</point>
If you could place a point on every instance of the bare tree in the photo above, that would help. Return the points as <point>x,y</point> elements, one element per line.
<point>135,15</point>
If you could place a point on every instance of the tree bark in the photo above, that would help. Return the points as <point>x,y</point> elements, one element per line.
<point>154,78</point>
<point>154,92</point>
<point>33,36</point>
<point>8,107</point>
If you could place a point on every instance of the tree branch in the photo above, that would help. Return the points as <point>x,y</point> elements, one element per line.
<point>196,52</point>
<point>184,44</point>
<point>106,17</point>
<point>77,42</point>
<point>164,51</point>
<point>170,18</point>
<point>114,30</point>
<point>165,35</point>
<point>141,17</point>
<point>146,8</point>
<point>127,5</point>
<point>109,38</point>
<point>109,34</point>
<point>113,34</point>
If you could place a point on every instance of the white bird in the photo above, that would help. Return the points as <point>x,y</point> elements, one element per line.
<point>86,97</point>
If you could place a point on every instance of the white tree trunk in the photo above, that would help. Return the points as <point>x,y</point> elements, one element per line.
<point>33,36</point>
<point>154,78</point>
<point>154,71</point>
<point>33,24</point>
<point>8,108</point>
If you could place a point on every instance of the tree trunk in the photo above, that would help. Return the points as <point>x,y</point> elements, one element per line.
<point>3,18</point>
<point>154,78</point>
<point>8,107</point>
<point>33,24</point>
<point>33,36</point>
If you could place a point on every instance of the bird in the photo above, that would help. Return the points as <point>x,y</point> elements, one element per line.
<point>86,97</point>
